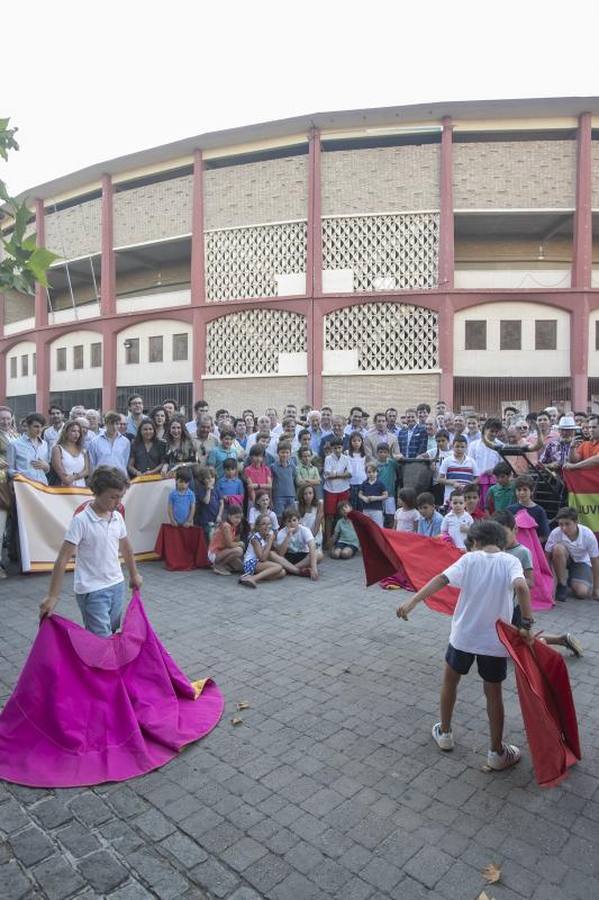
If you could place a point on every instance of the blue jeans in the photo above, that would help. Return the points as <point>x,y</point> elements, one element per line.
<point>102,609</point>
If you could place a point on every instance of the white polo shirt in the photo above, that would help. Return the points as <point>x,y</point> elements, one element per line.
<point>582,549</point>
<point>97,540</point>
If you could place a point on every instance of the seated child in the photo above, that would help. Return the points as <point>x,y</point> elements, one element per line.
<point>311,512</point>
<point>97,536</point>
<point>262,508</point>
<point>372,495</point>
<point>486,571</point>
<point>345,539</point>
<point>230,486</point>
<point>429,523</point>
<point>257,566</point>
<point>525,485</point>
<point>387,475</point>
<point>182,501</point>
<point>295,548</point>
<point>510,526</point>
<point>457,521</point>
<point>573,555</point>
<point>337,475</point>
<point>225,550</point>
<point>472,500</point>
<point>257,474</point>
<point>407,516</point>
<point>503,493</point>
<point>209,503</point>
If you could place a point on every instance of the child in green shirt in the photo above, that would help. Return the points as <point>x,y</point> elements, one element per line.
<point>345,539</point>
<point>503,493</point>
<point>305,471</point>
<point>387,473</point>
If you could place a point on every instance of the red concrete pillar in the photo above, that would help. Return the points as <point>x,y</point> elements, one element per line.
<point>42,369</point>
<point>41,297</point>
<point>446,228</point>
<point>198,351</point>
<point>315,354</point>
<point>108,265</point>
<point>579,353</point>
<point>582,256</point>
<point>445,330</point>
<point>108,367</point>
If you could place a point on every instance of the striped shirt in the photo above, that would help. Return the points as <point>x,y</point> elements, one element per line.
<point>457,471</point>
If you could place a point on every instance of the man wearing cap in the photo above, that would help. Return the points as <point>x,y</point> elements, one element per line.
<point>585,454</point>
<point>557,452</point>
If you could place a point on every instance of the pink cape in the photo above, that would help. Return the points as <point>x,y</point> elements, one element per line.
<point>88,709</point>
<point>541,594</point>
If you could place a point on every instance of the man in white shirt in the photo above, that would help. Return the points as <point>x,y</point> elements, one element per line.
<point>573,553</point>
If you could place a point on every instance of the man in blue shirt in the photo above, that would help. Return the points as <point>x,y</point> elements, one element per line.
<point>110,448</point>
<point>412,439</point>
<point>29,454</point>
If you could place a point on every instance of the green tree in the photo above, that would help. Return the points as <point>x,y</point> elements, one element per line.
<point>23,263</point>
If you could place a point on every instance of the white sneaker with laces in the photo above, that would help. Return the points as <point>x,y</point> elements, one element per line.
<point>443,739</point>
<point>509,756</point>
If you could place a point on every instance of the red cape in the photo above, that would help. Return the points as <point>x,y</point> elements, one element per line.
<point>547,706</point>
<point>420,558</point>
<point>182,549</point>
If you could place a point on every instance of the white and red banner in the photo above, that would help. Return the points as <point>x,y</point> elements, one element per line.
<point>44,514</point>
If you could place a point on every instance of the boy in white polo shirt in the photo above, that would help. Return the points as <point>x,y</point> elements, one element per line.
<point>573,553</point>
<point>97,535</point>
<point>488,579</point>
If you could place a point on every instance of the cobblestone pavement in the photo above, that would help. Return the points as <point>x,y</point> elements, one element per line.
<point>331,786</point>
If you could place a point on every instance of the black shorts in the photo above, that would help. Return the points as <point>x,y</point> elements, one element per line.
<point>294,557</point>
<point>341,545</point>
<point>490,668</point>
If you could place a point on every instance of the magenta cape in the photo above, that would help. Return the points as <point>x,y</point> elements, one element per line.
<point>547,706</point>
<point>88,709</point>
<point>541,593</point>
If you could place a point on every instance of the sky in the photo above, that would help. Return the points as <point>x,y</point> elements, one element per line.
<point>86,82</point>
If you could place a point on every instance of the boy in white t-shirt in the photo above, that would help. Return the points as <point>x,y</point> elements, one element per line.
<point>295,548</point>
<point>487,579</point>
<point>573,554</point>
<point>97,536</point>
<point>457,521</point>
<point>457,470</point>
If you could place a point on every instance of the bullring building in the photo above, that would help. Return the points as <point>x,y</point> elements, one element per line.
<point>378,256</point>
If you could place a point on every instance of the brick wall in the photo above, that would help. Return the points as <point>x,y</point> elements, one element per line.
<point>377,392</point>
<point>153,212</point>
<point>595,165</point>
<point>514,174</point>
<point>17,307</point>
<point>274,190</point>
<point>237,394</point>
<point>383,179</point>
<point>75,231</point>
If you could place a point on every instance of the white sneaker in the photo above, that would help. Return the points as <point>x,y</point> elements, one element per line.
<point>443,739</point>
<point>509,756</point>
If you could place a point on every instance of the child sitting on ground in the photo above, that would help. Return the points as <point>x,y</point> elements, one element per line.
<point>457,521</point>
<point>256,563</point>
<point>487,572</point>
<point>182,501</point>
<point>510,526</point>
<point>311,512</point>
<point>209,503</point>
<point>337,475</point>
<point>503,493</point>
<point>257,474</point>
<point>407,516</point>
<point>97,536</point>
<point>429,523</point>
<point>230,486</point>
<point>262,507</point>
<point>525,485</point>
<point>472,501</point>
<point>225,550</point>
<point>387,474</point>
<point>372,495</point>
<point>345,539</point>
<point>295,547</point>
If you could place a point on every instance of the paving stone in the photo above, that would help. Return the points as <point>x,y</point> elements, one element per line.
<point>90,809</point>
<point>381,874</point>
<point>12,817</point>
<point>154,825</point>
<point>57,878</point>
<point>133,890</point>
<point>102,871</point>
<point>13,884</point>
<point>429,865</point>
<point>267,872</point>
<point>120,836</point>
<point>297,886</point>
<point>245,893</point>
<point>330,876</point>
<point>31,846</point>
<point>78,840</point>
<point>215,878</point>
<point>186,851</point>
<point>52,813</point>
<point>304,857</point>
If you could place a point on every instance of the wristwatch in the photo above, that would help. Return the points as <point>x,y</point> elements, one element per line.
<point>526,623</point>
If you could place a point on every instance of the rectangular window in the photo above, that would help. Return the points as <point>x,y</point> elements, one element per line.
<point>546,334</point>
<point>96,355</point>
<point>78,356</point>
<point>13,367</point>
<point>510,334</point>
<point>25,365</point>
<point>180,350</point>
<point>61,359</point>
<point>476,335</point>
<point>34,364</point>
<point>131,351</point>
<point>155,353</point>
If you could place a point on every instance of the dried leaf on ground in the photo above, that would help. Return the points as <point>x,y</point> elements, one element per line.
<point>491,873</point>
<point>236,721</point>
<point>484,896</point>
<point>243,704</point>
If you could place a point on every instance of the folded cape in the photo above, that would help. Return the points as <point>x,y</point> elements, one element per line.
<point>182,548</point>
<point>88,709</point>
<point>547,706</point>
<point>541,593</point>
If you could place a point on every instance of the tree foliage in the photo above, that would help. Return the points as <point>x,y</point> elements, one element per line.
<point>23,263</point>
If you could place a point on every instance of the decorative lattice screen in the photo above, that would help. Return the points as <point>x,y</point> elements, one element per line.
<point>387,252</point>
<point>249,342</point>
<point>244,262</point>
<point>389,337</point>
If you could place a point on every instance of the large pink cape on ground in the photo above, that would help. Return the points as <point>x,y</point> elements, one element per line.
<point>88,709</point>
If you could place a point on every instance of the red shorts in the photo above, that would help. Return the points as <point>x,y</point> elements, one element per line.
<point>331,501</point>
